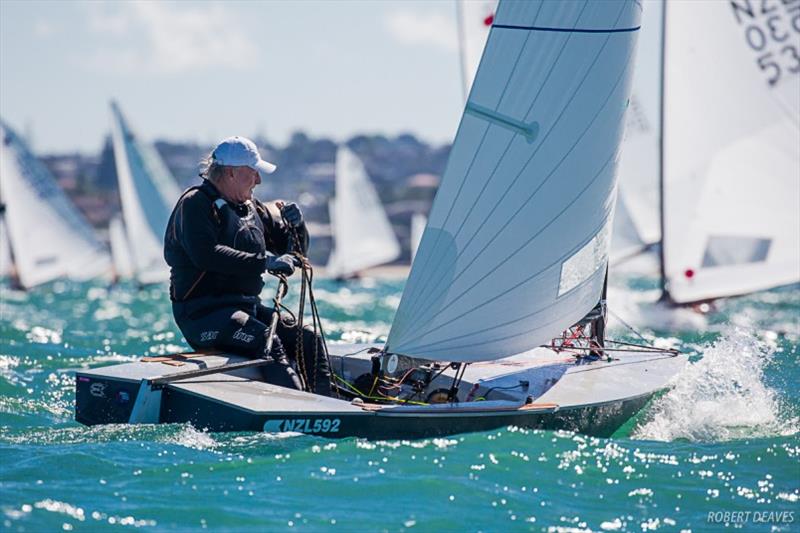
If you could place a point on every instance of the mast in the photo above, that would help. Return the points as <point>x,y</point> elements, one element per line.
<point>662,268</point>
<point>462,48</point>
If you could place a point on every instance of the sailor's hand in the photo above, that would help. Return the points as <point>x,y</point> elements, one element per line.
<point>292,214</point>
<point>282,264</point>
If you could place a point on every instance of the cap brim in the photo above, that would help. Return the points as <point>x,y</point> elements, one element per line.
<point>265,167</point>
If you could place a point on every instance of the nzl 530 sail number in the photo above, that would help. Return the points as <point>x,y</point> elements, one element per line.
<point>303,425</point>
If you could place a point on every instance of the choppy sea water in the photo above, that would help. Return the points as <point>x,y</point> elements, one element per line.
<point>719,451</point>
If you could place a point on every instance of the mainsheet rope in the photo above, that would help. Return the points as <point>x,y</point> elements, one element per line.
<point>307,292</point>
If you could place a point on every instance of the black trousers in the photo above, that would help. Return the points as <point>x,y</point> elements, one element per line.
<point>240,324</point>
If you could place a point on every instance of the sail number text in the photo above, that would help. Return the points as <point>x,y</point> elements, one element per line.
<point>772,31</point>
<point>303,425</point>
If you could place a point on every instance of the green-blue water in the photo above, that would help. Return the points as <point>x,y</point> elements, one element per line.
<point>724,439</point>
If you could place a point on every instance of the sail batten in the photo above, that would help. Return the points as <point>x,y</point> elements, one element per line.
<point>516,243</point>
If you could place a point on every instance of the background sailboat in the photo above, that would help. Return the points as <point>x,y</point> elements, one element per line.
<point>362,234</point>
<point>44,235</point>
<point>148,192</point>
<point>731,191</point>
<point>719,135</point>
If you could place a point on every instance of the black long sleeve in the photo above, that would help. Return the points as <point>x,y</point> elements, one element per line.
<point>198,234</point>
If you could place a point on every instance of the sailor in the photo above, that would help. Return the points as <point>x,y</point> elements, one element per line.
<point>219,241</point>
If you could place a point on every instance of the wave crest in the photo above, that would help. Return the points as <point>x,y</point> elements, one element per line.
<point>721,397</point>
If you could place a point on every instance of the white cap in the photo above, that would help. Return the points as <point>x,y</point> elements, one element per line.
<point>241,152</point>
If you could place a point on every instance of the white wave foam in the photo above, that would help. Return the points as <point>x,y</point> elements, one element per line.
<point>192,438</point>
<point>720,397</point>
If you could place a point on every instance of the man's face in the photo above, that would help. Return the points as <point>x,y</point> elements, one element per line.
<point>242,182</point>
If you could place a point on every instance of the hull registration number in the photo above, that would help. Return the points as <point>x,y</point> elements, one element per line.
<point>303,425</point>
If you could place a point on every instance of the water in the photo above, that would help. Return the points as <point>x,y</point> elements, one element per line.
<point>724,439</point>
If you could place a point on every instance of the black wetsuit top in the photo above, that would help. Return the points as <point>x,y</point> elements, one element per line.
<point>216,249</point>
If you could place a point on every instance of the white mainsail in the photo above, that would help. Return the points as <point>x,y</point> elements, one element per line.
<point>418,223</point>
<point>362,234</point>
<point>516,246</point>
<point>120,250</point>
<point>731,148</point>
<point>637,223</point>
<point>47,235</point>
<point>148,192</point>
<point>475,18</point>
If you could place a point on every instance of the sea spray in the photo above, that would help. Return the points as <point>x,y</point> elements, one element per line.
<point>720,397</point>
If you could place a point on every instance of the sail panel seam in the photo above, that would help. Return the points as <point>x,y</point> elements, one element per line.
<point>564,30</point>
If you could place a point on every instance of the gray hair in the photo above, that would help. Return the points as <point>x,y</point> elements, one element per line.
<point>210,169</point>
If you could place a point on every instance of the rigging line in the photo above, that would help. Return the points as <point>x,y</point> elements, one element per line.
<point>615,315</point>
<point>467,172</point>
<point>661,204</point>
<point>530,197</point>
<point>425,300</point>
<point>426,283</point>
<point>519,319</point>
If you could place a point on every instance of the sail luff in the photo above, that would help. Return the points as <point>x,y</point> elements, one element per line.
<point>544,124</point>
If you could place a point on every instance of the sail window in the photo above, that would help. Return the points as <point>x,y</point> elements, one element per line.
<point>585,262</point>
<point>731,250</point>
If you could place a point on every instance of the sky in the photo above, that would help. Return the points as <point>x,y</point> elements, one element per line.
<point>202,71</point>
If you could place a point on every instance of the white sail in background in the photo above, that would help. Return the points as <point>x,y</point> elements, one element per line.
<point>418,223</point>
<point>637,223</point>
<point>148,192</point>
<point>626,242</point>
<point>48,236</point>
<point>475,18</point>
<point>516,246</point>
<point>731,148</point>
<point>362,234</point>
<point>120,250</point>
